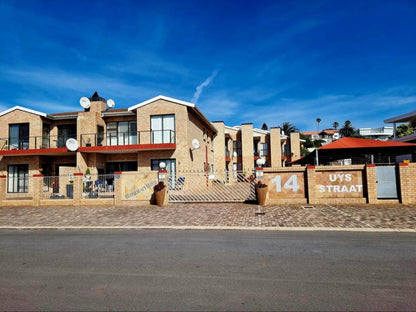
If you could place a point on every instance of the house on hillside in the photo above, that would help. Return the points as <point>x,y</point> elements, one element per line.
<point>381,133</point>
<point>326,135</point>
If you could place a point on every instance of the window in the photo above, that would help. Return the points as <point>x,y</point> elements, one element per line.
<point>264,149</point>
<point>18,179</point>
<point>112,167</point>
<point>46,130</point>
<point>237,147</point>
<point>19,136</point>
<point>162,129</point>
<point>170,164</point>
<point>122,133</point>
<point>100,135</point>
<point>66,132</point>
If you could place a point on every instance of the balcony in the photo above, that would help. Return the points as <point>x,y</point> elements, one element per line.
<point>113,142</point>
<point>128,141</point>
<point>128,138</point>
<point>33,145</point>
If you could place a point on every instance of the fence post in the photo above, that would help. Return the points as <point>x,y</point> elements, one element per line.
<point>37,189</point>
<point>311,183</point>
<point>78,179</point>
<point>2,188</point>
<point>117,188</point>
<point>371,181</point>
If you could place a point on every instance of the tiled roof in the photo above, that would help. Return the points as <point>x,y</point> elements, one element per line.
<point>346,143</point>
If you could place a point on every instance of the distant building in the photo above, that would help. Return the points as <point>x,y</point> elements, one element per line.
<point>328,135</point>
<point>404,118</point>
<point>382,133</point>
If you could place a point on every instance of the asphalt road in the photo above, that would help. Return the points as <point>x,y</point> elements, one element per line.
<point>206,270</point>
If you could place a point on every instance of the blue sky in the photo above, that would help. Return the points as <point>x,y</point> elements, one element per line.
<point>239,61</point>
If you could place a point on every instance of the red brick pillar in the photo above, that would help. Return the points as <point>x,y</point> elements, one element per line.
<point>78,179</point>
<point>2,188</point>
<point>37,189</point>
<point>371,181</point>
<point>117,188</point>
<point>311,182</point>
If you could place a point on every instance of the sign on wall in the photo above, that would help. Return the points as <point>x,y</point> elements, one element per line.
<point>137,186</point>
<point>285,184</point>
<point>339,184</point>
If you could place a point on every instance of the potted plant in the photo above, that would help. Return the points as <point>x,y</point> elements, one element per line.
<point>261,192</point>
<point>160,193</point>
<point>88,174</point>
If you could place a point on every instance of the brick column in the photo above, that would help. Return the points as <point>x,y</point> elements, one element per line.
<point>311,183</point>
<point>2,188</point>
<point>247,146</point>
<point>37,189</point>
<point>275,148</point>
<point>78,179</point>
<point>117,188</point>
<point>294,146</point>
<point>407,172</point>
<point>219,145</point>
<point>371,183</point>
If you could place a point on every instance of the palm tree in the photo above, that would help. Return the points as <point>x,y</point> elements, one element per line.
<point>318,120</point>
<point>335,125</point>
<point>287,128</point>
<point>347,129</point>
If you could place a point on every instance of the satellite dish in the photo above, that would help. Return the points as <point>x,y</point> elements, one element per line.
<point>85,102</point>
<point>195,144</point>
<point>71,145</point>
<point>111,103</point>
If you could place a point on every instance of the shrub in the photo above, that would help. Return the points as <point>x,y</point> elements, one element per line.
<point>160,186</point>
<point>259,184</point>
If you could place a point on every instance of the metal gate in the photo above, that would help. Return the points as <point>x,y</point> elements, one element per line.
<point>211,187</point>
<point>386,182</point>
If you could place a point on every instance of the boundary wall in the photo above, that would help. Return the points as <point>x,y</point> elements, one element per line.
<point>355,184</point>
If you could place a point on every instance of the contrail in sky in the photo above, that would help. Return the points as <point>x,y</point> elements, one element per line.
<point>199,89</point>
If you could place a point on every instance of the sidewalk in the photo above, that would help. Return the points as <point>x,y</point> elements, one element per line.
<point>216,216</point>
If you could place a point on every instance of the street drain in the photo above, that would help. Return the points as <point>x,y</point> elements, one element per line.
<point>307,207</point>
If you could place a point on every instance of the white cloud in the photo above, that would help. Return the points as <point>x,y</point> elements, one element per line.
<point>201,87</point>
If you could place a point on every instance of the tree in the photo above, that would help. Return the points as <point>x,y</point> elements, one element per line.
<point>403,130</point>
<point>264,127</point>
<point>288,128</point>
<point>335,125</point>
<point>318,120</point>
<point>347,129</point>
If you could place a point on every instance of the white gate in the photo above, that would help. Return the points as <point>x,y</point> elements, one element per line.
<point>226,186</point>
<point>386,182</point>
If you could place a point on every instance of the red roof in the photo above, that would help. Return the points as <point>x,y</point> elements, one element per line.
<point>362,143</point>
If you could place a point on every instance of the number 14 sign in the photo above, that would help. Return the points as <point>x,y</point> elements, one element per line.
<point>287,185</point>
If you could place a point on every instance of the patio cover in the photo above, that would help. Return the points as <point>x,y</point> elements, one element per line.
<point>355,147</point>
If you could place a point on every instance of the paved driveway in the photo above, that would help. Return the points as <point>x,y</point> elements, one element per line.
<point>219,215</point>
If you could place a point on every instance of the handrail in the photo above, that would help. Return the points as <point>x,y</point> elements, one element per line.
<point>89,139</point>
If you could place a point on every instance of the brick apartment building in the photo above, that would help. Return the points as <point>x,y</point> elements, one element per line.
<point>136,138</point>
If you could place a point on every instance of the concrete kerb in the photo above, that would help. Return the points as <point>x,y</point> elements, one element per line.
<point>212,228</point>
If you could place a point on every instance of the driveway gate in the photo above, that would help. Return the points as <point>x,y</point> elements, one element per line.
<point>386,182</point>
<point>210,187</point>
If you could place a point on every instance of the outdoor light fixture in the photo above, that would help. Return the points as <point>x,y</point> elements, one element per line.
<point>162,165</point>
<point>260,162</point>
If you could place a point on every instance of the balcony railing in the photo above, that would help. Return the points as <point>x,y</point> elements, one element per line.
<point>93,139</point>
<point>33,142</point>
<point>128,138</point>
